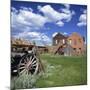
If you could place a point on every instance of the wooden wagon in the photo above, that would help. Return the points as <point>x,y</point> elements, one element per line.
<point>25,59</point>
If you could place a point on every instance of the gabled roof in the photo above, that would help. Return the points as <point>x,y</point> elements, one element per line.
<point>57,33</point>
<point>54,34</point>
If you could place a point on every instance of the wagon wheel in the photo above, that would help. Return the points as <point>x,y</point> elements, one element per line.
<point>28,65</point>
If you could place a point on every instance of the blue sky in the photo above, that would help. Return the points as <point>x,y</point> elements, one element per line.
<point>39,21</point>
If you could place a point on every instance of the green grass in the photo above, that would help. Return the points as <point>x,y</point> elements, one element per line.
<point>64,71</point>
<point>59,71</point>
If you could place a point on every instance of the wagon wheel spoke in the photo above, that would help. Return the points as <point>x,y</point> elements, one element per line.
<point>26,60</point>
<point>22,67</point>
<point>31,58</point>
<point>28,64</point>
<point>31,61</point>
<point>34,62</point>
<point>36,70</point>
<point>33,65</point>
<point>22,64</point>
<point>23,71</point>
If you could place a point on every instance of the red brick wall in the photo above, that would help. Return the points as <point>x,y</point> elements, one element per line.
<point>77,42</point>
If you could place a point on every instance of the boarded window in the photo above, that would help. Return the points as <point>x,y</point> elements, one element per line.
<point>79,48</point>
<point>70,41</point>
<point>74,48</point>
<point>63,41</point>
<point>56,41</point>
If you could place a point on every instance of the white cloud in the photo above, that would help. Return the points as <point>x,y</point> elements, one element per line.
<point>82,19</point>
<point>65,33</point>
<point>50,13</point>
<point>60,23</point>
<point>28,9</point>
<point>55,16</point>
<point>26,17</point>
<point>39,38</point>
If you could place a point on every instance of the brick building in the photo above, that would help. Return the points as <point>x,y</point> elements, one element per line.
<point>77,43</point>
<point>71,45</point>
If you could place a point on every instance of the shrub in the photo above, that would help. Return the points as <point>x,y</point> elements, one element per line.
<point>24,81</point>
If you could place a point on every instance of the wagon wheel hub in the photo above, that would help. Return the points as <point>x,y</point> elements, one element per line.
<point>28,65</point>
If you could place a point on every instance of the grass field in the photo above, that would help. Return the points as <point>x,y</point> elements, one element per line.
<point>63,71</point>
<point>59,71</point>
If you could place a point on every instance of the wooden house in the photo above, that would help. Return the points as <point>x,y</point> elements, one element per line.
<point>59,38</point>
